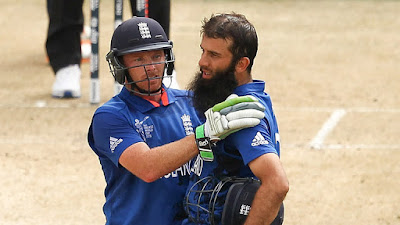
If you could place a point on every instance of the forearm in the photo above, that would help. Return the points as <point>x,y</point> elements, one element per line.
<point>173,155</point>
<point>272,192</point>
<point>151,164</point>
<point>265,207</point>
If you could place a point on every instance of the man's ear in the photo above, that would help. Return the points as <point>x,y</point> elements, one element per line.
<point>242,64</point>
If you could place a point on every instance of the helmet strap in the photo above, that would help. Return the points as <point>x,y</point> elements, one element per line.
<point>140,91</point>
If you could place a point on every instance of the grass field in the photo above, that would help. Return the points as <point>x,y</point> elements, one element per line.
<point>331,67</point>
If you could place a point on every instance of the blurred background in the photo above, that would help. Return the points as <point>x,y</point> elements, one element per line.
<point>331,67</point>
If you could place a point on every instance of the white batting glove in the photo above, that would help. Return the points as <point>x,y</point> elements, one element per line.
<point>225,118</point>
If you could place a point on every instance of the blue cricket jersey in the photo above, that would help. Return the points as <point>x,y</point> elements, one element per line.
<point>127,119</point>
<point>233,154</point>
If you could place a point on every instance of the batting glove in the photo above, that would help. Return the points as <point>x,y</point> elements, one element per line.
<point>227,117</point>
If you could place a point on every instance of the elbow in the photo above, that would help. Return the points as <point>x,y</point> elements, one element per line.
<point>282,189</point>
<point>148,177</point>
<point>146,173</point>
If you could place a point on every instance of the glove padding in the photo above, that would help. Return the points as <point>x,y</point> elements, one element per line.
<point>232,115</point>
<point>225,118</point>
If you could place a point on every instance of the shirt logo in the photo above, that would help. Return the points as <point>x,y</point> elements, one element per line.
<point>197,167</point>
<point>244,209</point>
<point>259,140</point>
<point>144,30</point>
<point>187,124</point>
<point>143,129</point>
<point>277,138</point>
<point>114,142</point>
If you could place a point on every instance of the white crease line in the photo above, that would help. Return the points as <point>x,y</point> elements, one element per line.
<point>36,141</point>
<point>345,146</point>
<point>326,109</point>
<point>328,126</point>
<point>40,104</point>
<point>44,104</point>
<point>362,146</point>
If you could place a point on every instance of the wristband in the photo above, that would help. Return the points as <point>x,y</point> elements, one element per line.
<point>204,144</point>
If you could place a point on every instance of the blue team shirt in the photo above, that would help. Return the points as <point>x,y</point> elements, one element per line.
<point>127,119</point>
<point>233,154</point>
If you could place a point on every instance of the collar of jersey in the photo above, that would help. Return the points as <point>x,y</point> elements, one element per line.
<point>144,105</point>
<point>255,86</point>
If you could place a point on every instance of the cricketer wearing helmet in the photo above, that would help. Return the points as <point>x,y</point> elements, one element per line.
<point>144,136</point>
<point>242,180</point>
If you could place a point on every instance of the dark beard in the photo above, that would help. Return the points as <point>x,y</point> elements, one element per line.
<point>208,92</point>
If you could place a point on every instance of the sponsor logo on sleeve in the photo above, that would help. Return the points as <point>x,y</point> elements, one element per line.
<point>259,140</point>
<point>114,142</point>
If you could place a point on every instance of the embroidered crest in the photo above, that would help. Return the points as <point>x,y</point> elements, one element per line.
<point>187,124</point>
<point>144,30</point>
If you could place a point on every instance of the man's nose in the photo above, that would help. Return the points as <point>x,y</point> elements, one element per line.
<point>150,67</point>
<point>203,62</point>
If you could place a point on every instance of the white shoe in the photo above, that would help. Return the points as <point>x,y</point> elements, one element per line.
<point>67,83</point>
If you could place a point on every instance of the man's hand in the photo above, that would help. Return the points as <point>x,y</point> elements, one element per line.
<point>227,117</point>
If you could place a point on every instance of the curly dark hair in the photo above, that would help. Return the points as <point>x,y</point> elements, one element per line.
<point>236,28</point>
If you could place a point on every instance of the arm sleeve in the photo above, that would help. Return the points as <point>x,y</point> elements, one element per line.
<point>253,142</point>
<point>112,134</point>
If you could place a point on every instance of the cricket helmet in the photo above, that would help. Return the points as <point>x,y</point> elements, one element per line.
<point>138,34</point>
<point>224,201</point>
